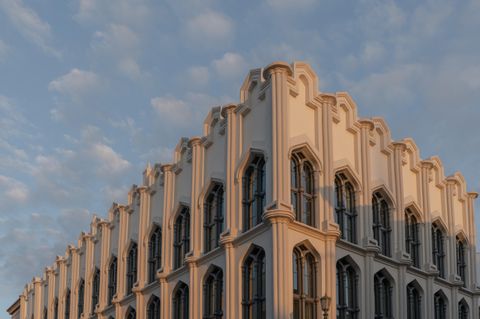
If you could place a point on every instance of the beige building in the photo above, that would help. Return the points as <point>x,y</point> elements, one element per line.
<point>288,206</point>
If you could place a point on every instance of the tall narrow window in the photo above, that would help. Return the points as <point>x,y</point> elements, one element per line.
<point>182,237</point>
<point>131,267</point>
<point>345,211</point>
<point>213,294</point>
<point>412,238</point>
<point>461,262</point>
<point>383,296</point>
<point>213,217</point>
<point>81,296</point>
<point>45,313</point>
<point>153,308</point>
<point>55,308</point>
<point>253,192</point>
<point>95,289</point>
<point>440,305</point>
<point>112,279</point>
<point>438,250</point>
<point>414,302</point>
<point>302,189</point>
<point>347,291</point>
<point>131,313</point>
<point>381,223</point>
<point>180,301</point>
<point>254,298</point>
<point>154,253</point>
<point>304,284</point>
<point>67,304</point>
<point>463,309</point>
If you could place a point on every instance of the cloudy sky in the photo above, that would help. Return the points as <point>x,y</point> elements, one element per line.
<point>92,90</point>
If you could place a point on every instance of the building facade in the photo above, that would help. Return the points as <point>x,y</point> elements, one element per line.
<point>288,206</point>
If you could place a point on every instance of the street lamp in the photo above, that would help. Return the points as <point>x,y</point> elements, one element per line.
<point>325,304</point>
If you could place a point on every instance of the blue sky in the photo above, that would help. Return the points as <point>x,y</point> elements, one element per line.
<point>92,90</point>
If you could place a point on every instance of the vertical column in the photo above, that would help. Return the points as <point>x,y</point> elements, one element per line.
<point>399,221</point>
<point>471,196</point>
<point>143,222</point>
<point>329,101</point>
<point>105,249</point>
<point>450,241</point>
<point>369,286</point>
<point>167,231</point>
<point>231,299</point>
<point>121,259</point>
<point>62,286</point>
<point>23,306</point>
<point>75,281</point>
<point>429,298</point>
<point>89,266</point>
<point>51,291</point>
<point>164,298</point>
<point>425,167</point>
<point>366,199</point>
<point>228,112</point>
<point>37,304</point>
<point>277,73</point>
<point>280,213</point>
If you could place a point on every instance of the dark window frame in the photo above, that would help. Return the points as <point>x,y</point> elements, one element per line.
<point>254,186</point>
<point>461,260</point>
<point>383,295</point>
<point>181,241</point>
<point>81,297</point>
<point>180,301</point>
<point>95,289</point>
<point>213,294</point>
<point>153,308</point>
<point>345,208</point>
<point>412,237</point>
<point>414,301</point>
<point>67,304</point>
<point>302,188</point>
<point>438,249</point>
<point>440,305</point>
<point>132,268</point>
<point>347,290</point>
<point>254,285</point>
<point>112,279</point>
<point>382,230</point>
<point>154,253</point>
<point>213,217</point>
<point>305,298</point>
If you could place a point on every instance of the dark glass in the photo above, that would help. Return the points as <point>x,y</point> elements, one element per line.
<point>302,189</point>
<point>254,298</point>
<point>253,192</point>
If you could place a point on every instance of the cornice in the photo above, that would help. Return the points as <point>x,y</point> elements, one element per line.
<point>277,66</point>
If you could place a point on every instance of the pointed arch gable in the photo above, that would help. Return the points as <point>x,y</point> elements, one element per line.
<point>349,260</point>
<point>438,221</point>
<point>384,272</point>
<point>307,245</point>
<point>462,236</point>
<point>345,167</point>
<point>180,285</point>
<point>309,152</point>
<point>413,207</point>
<point>386,194</point>
<point>417,286</point>
<point>179,207</point>
<point>250,250</point>
<point>212,182</point>
<point>246,159</point>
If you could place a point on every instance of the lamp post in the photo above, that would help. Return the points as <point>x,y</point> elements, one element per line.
<point>325,304</point>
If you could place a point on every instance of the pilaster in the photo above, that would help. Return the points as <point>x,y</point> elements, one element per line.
<point>197,183</point>
<point>471,196</point>
<point>105,256</point>
<point>230,273</point>
<point>37,305</point>
<point>143,222</point>
<point>366,126</point>
<point>425,167</point>
<point>23,306</point>
<point>195,290</point>
<point>167,231</point>
<point>450,241</point>
<point>89,268</point>
<point>231,218</point>
<point>277,73</point>
<point>62,286</point>
<point>74,283</point>
<point>51,291</point>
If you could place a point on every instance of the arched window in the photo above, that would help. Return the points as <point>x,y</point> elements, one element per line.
<point>381,223</point>
<point>438,249</point>
<point>461,262</point>
<point>213,217</point>
<point>440,305</point>
<point>112,279</point>
<point>463,309</point>
<point>182,237</point>
<point>95,289</point>
<point>55,308</point>
<point>302,189</point>
<point>180,301</point>
<point>131,313</point>
<point>253,192</point>
<point>345,211</point>
<point>154,253</point>
<point>67,304</point>
<point>253,301</point>
<point>383,290</point>
<point>412,238</point>
<point>213,294</point>
<point>414,302</point>
<point>131,267</point>
<point>81,296</point>
<point>347,291</point>
<point>304,284</point>
<point>153,308</point>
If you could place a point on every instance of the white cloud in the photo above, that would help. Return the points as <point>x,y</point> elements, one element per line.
<point>13,190</point>
<point>209,28</point>
<point>109,161</point>
<point>230,65</point>
<point>171,109</point>
<point>29,24</point>
<point>75,83</point>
